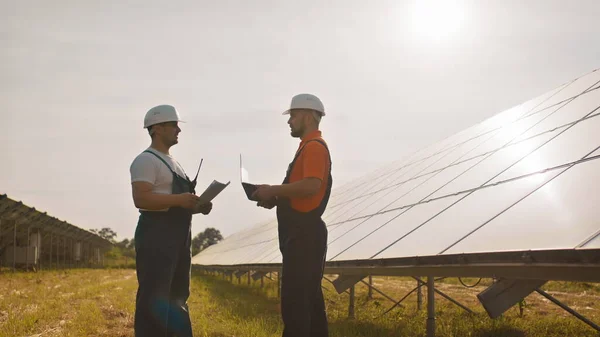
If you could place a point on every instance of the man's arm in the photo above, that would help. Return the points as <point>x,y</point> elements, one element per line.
<point>268,194</point>
<point>299,189</point>
<point>315,163</point>
<point>145,199</point>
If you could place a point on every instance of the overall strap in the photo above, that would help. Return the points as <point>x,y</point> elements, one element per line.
<point>328,153</point>
<point>302,149</point>
<point>169,166</point>
<point>157,156</point>
<point>291,166</point>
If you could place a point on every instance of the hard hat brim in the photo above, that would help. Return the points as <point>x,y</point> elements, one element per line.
<point>178,121</point>
<point>287,112</point>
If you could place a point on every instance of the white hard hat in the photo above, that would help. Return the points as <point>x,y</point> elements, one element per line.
<point>161,114</point>
<point>306,101</point>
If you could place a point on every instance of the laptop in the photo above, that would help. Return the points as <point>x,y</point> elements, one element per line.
<point>248,187</point>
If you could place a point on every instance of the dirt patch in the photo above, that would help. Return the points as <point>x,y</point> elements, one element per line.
<point>120,323</point>
<point>111,313</point>
<point>3,317</point>
<point>57,331</point>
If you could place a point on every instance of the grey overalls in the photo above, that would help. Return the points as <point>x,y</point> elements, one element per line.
<point>303,245</point>
<point>163,264</point>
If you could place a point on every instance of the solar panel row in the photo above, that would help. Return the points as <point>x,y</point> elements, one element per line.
<point>517,181</point>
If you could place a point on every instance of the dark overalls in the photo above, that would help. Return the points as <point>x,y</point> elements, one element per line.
<point>163,264</point>
<point>303,245</point>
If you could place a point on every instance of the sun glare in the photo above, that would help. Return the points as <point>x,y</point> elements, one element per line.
<point>437,19</point>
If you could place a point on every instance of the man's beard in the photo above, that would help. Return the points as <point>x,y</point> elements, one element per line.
<point>297,133</point>
<point>170,141</point>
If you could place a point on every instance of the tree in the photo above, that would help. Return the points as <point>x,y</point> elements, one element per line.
<point>123,244</point>
<point>106,233</point>
<point>127,248</point>
<point>205,239</point>
<point>114,253</point>
<point>131,244</point>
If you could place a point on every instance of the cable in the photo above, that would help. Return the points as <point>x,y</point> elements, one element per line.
<point>472,286</point>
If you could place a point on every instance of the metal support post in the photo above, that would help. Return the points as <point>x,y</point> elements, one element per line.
<point>262,281</point>
<point>448,297</point>
<point>71,254</point>
<point>1,257</point>
<point>430,306</point>
<point>351,304</point>
<point>569,310</point>
<point>419,296</point>
<point>248,276</point>
<point>278,284</point>
<point>41,242</point>
<point>370,294</point>
<point>28,245</point>
<point>15,247</point>
<point>379,291</point>
<point>57,250</point>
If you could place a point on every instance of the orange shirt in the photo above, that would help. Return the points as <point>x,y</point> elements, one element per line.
<point>313,162</point>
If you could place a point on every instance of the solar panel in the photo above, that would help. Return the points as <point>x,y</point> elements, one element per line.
<point>561,214</point>
<point>470,211</point>
<point>25,229</point>
<point>515,181</point>
<point>593,243</point>
<point>380,231</point>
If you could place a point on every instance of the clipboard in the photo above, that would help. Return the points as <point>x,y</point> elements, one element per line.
<point>212,191</point>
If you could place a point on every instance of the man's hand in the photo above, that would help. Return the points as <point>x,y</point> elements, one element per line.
<point>204,208</point>
<point>264,193</point>
<point>188,200</point>
<point>267,204</point>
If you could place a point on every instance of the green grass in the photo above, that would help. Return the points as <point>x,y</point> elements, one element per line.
<point>67,303</point>
<point>96,302</point>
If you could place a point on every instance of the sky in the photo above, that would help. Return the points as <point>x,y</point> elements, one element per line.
<point>394,76</point>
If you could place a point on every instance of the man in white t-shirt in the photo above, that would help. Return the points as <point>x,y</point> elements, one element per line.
<point>166,199</point>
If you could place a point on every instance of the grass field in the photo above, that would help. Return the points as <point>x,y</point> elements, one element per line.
<point>96,302</point>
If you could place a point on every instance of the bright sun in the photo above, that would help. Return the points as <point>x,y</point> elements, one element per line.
<point>437,19</point>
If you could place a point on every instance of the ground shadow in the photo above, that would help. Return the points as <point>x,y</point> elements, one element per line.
<point>247,303</point>
<point>499,332</point>
<point>239,298</point>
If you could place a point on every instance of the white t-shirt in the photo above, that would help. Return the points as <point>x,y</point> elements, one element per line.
<point>146,167</point>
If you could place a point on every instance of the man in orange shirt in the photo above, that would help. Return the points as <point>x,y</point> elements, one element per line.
<point>301,200</point>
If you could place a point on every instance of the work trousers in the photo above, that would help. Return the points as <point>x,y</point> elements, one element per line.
<point>302,305</point>
<point>163,264</point>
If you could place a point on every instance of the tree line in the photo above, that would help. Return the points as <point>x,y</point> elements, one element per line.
<point>124,250</point>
